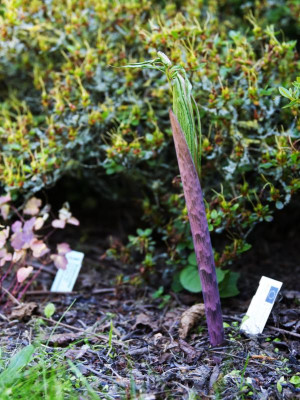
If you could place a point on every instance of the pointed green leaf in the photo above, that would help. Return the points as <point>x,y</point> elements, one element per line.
<point>285,93</point>
<point>19,361</point>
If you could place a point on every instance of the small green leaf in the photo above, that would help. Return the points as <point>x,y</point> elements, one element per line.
<point>278,385</point>
<point>49,310</point>
<point>214,214</point>
<point>266,165</point>
<point>158,292</point>
<point>245,247</point>
<point>228,287</point>
<point>295,380</point>
<point>285,93</point>
<point>269,218</point>
<point>245,318</point>
<point>192,259</point>
<point>292,103</point>
<point>149,137</point>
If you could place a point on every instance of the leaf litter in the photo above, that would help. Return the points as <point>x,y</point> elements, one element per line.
<point>123,342</point>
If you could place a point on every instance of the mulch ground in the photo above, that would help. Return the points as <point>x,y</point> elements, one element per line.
<point>145,356</point>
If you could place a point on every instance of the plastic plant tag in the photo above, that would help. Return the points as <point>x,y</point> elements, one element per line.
<point>261,305</point>
<point>65,278</point>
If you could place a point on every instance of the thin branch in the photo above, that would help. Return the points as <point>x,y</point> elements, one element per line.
<point>13,299</point>
<point>103,337</point>
<point>284,331</point>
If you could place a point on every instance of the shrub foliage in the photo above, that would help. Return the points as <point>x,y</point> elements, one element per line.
<point>66,108</point>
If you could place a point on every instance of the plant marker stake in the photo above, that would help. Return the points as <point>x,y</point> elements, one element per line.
<point>200,233</point>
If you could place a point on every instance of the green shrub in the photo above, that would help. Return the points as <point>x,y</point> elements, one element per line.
<point>66,110</point>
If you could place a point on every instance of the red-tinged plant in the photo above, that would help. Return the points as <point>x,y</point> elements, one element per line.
<point>201,237</point>
<point>188,145</point>
<point>24,251</point>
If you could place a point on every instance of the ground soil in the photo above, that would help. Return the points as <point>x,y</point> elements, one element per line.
<point>147,358</point>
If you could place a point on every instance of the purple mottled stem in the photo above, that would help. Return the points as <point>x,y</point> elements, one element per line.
<point>201,238</point>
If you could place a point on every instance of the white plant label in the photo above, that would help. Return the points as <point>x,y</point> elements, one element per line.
<point>65,279</point>
<point>261,306</point>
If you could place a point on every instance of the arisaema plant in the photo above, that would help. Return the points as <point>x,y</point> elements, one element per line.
<point>187,140</point>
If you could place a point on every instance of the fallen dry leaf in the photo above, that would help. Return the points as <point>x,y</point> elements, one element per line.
<point>24,310</point>
<point>62,338</point>
<point>189,318</point>
<point>144,320</point>
<point>75,354</point>
<point>214,377</point>
<point>157,338</point>
<point>188,349</point>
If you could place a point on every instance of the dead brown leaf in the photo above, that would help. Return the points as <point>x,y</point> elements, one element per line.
<point>144,320</point>
<point>164,358</point>
<point>171,318</point>
<point>188,349</point>
<point>23,310</point>
<point>75,354</point>
<point>189,318</point>
<point>62,338</point>
<point>214,376</point>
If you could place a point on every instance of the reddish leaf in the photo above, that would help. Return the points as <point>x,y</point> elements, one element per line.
<point>60,261</point>
<point>58,223</point>
<point>5,199</point>
<point>23,235</point>
<point>64,214</point>
<point>5,211</point>
<point>39,223</point>
<point>23,273</point>
<point>18,255</point>
<point>63,248</point>
<point>16,226</point>
<point>3,236</point>
<point>38,247</point>
<point>73,221</point>
<point>4,257</point>
<point>32,207</point>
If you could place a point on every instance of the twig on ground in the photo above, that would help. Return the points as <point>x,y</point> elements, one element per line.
<point>273,328</point>
<point>243,358</point>
<point>43,292</point>
<point>106,377</point>
<point>262,357</point>
<point>4,317</point>
<point>103,337</point>
<point>104,290</point>
<point>13,299</point>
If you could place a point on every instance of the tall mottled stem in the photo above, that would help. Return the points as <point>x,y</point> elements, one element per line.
<point>200,233</point>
